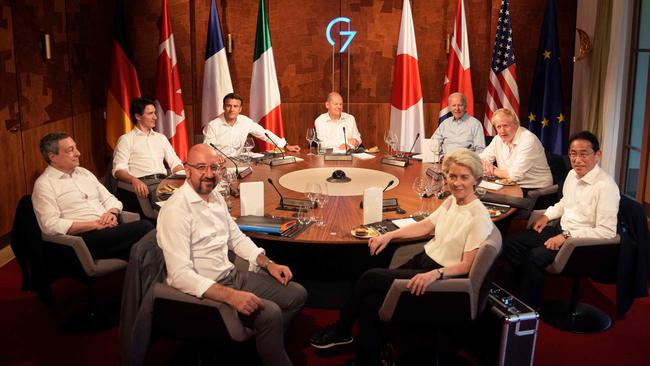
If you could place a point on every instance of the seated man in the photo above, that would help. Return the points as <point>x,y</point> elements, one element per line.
<point>230,130</point>
<point>195,232</point>
<point>461,129</point>
<point>70,200</point>
<point>139,154</point>
<point>329,126</point>
<point>588,209</point>
<point>518,153</point>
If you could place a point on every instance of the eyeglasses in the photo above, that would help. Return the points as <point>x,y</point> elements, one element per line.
<point>582,154</point>
<point>204,167</point>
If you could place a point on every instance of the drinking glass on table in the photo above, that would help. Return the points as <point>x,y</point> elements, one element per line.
<point>303,215</point>
<point>419,186</point>
<point>313,191</point>
<point>248,146</point>
<point>311,136</point>
<point>322,200</point>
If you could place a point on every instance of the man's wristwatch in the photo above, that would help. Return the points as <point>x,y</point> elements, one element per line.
<point>566,234</point>
<point>267,263</point>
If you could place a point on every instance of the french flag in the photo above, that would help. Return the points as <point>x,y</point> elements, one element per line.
<point>459,77</point>
<point>216,74</point>
<point>406,110</point>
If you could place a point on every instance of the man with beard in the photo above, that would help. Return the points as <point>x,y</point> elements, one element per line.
<point>195,233</point>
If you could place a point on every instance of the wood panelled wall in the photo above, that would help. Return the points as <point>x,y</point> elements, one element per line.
<point>68,92</point>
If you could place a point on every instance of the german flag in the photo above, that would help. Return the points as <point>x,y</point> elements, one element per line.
<point>123,83</point>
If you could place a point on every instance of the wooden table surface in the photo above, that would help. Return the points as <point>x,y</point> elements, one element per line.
<point>341,213</point>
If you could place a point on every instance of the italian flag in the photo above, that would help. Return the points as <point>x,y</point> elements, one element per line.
<point>265,94</point>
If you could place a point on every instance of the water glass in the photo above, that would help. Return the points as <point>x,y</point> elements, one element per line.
<point>303,215</point>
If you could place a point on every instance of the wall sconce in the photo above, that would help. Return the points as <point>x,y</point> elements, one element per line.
<point>229,43</point>
<point>47,49</point>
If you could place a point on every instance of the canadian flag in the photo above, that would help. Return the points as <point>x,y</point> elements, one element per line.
<point>459,77</point>
<point>406,111</point>
<point>169,99</point>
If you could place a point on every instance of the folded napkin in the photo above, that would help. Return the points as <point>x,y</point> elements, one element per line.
<point>400,223</point>
<point>491,186</point>
<point>364,156</point>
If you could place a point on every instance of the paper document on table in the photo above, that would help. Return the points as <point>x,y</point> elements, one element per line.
<point>364,156</point>
<point>400,223</point>
<point>428,147</point>
<point>251,196</point>
<point>489,185</point>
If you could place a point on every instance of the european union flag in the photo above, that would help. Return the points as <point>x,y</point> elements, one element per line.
<point>545,117</point>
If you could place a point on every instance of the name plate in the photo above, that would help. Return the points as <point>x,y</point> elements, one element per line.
<point>276,162</point>
<point>297,202</point>
<point>245,173</point>
<point>395,162</point>
<point>338,157</point>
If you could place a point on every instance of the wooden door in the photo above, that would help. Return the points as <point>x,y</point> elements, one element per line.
<point>11,154</point>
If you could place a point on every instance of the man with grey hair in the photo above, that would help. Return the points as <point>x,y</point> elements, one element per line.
<point>330,126</point>
<point>69,199</point>
<point>461,129</point>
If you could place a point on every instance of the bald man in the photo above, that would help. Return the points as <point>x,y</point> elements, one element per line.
<point>195,233</point>
<point>329,125</point>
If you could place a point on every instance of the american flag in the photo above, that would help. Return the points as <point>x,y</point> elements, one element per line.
<point>502,89</point>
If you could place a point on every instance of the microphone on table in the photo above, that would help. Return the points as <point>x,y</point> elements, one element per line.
<point>412,146</point>
<point>274,144</point>
<point>228,157</point>
<point>276,189</point>
<point>345,142</point>
<point>388,185</point>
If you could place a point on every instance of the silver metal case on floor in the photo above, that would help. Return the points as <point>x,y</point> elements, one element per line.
<point>519,325</point>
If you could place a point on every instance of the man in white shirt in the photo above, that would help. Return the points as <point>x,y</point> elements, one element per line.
<point>588,209</point>
<point>195,233</point>
<point>140,155</point>
<point>518,153</point>
<point>461,129</point>
<point>330,125</point>
<point>230,130</point>
<point>70,200</point>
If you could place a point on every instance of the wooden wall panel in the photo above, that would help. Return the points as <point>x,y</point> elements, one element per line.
<point>89,31</point>
<point>11,158</point>
<point>44,85</point>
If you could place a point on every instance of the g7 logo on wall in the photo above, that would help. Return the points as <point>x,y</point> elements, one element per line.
<point>349,33</point>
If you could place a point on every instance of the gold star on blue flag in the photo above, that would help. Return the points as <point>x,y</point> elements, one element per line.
<point>546,94</point>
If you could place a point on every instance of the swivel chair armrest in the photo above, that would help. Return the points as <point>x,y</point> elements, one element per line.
<point>229,315</point>
<point>536,215</point>
<point>127,216</point>
<point>80,249</point>
<point>570,244</point>
<point>462,285</point>
<point>537,193</point>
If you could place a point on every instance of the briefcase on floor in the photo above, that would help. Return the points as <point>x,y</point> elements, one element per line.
<point>506,332</point>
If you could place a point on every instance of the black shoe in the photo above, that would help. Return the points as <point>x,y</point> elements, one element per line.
<point>330,337</point>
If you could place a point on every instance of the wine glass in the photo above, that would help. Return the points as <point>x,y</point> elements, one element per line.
<point>313,191</point>
<point>303,215</point>
<point>249,144</point>
<point>322,200</point>
<point>311,136</point>
<point>388,139</point>
<point>419,186</point>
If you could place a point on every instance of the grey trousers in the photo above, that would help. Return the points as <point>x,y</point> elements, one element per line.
<point>281,304</point>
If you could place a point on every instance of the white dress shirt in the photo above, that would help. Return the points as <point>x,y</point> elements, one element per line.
<point>525,163</point>
<point>230,139</point>
<point>60,199</point>
<point>195,236</point>
<point>589,206</point>
<point>458,229</point>
<point>330,132</point>
<point>142,154</point>
<point>453,134</point>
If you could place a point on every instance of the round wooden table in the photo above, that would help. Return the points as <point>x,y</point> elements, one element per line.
<point>341,213</point>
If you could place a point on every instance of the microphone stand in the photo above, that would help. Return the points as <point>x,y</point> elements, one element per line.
<point>289,204</point>
<point>284,159</point>
<point>240,175</point>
